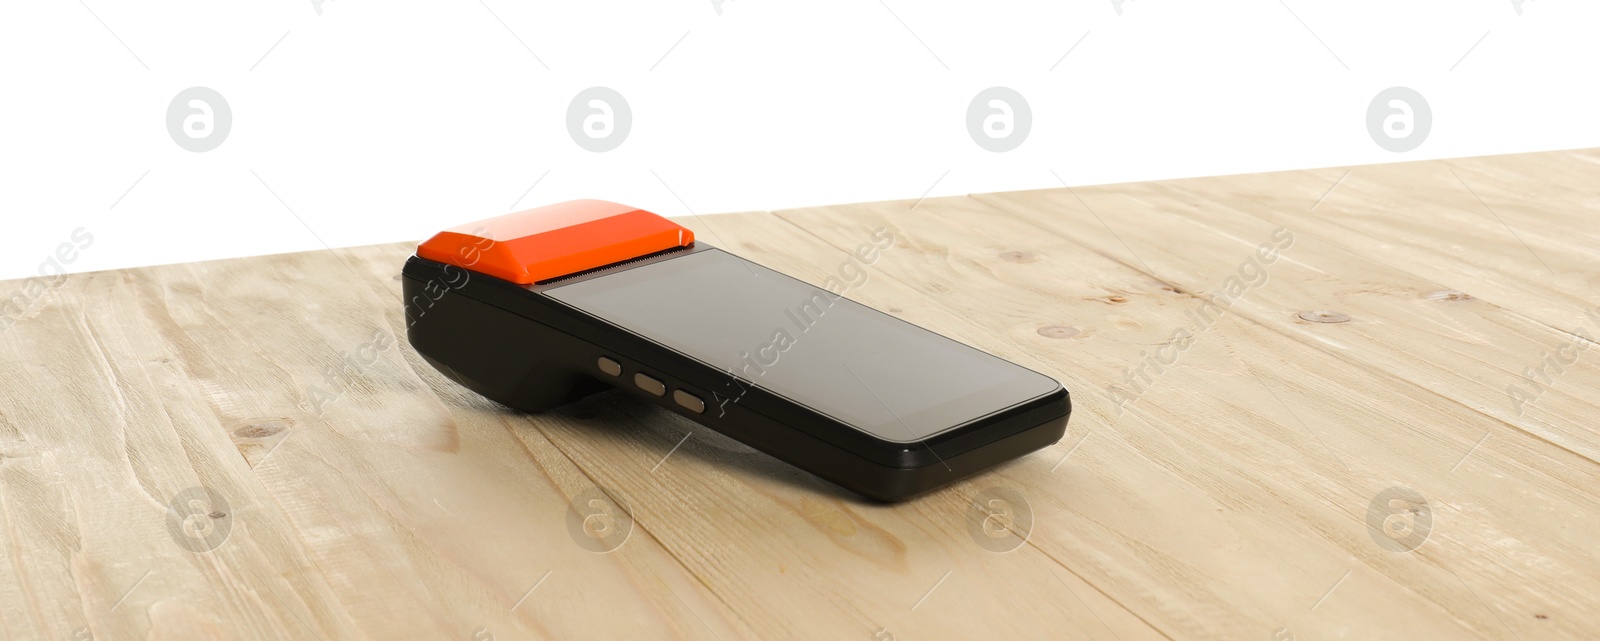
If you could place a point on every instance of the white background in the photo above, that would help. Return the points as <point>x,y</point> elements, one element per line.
<point>387,121</point>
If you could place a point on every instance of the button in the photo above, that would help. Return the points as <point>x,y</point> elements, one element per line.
<point>649,384</point>
<point>689,401</point>
<point>610,366</point>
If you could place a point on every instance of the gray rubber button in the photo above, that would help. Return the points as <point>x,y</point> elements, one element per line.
<point>689,401</point>
<point>649,384</point>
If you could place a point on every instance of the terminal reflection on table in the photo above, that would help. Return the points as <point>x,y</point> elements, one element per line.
<point>868,369</point>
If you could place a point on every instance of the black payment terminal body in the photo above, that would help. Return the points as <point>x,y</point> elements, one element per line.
<point>540,308</point>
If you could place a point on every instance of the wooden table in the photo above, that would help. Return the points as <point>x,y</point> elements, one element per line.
<point>1386,430</point>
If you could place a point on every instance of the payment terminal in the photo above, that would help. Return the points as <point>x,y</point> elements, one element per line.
<point>543,307</point>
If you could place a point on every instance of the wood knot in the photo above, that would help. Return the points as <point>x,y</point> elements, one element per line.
<point>1116,299</point>
<point>1324,316</point>
<point>1059,331</point>
<point>262,428</point>
<point>1018,256</point>
<point>1448,295</point>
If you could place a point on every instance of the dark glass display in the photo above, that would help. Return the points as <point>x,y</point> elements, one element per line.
<point>868,369</point>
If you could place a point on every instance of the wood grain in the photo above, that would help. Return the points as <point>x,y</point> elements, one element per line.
<point>1222,493</point>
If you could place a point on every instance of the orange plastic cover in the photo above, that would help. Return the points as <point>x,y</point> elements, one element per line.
<point>555,240</point>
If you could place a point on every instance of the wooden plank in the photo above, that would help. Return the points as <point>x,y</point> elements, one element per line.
<point>369,497</point>
<point>1399,323</point>
<point>1518,231</point>
<point>1206,421</point>
<point>385,512</point>
<point>106,428</point>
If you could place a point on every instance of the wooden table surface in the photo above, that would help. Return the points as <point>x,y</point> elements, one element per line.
<point>1383,425</point>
